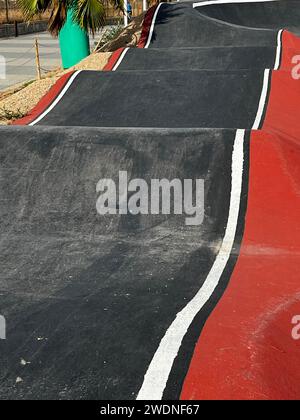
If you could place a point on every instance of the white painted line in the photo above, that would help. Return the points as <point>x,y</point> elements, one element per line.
<point>209,3</point>
<point>121,58</point>
<point>278,51</point>
<point>152,25</point>
<point>263,99</point>
<point>160,367</point>
<point>59,97</point>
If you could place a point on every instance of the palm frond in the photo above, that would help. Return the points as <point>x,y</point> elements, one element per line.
<point>32,7</point>
<point>58,16</point>
<point>89,14</point>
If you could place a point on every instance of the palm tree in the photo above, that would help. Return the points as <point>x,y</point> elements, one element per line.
<point>74,17</point>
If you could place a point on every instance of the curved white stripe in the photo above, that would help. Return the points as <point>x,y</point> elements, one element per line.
<point>263,99</point>
<point>208,3</point>
<point>160,367</point>
<point>278,51</point>
<point>152,25</point>
<point>121,58</point>
<point>59,97</point>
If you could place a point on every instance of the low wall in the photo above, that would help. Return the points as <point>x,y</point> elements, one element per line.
<point>14,29</point>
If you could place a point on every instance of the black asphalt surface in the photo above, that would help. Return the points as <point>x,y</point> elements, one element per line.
<point>125,99</point>
<point>285,14</point>
<point>88,298</point>
<point>202,58</point>
<point>179,25</point>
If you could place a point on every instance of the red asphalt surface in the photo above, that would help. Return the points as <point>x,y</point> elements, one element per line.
<point>46,101</point>
<point>113,60</point>
<point>146,26</point>
<point>246,350</point>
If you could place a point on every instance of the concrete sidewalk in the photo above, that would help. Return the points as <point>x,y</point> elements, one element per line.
<point>19,54</point>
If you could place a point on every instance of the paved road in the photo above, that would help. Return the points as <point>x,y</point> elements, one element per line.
<point>124,306</point>
<point>19,54</point>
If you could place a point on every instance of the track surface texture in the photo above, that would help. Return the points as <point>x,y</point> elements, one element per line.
<point>140,306</point>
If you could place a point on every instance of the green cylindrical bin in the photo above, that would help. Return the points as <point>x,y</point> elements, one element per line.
<point>74,42</point>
